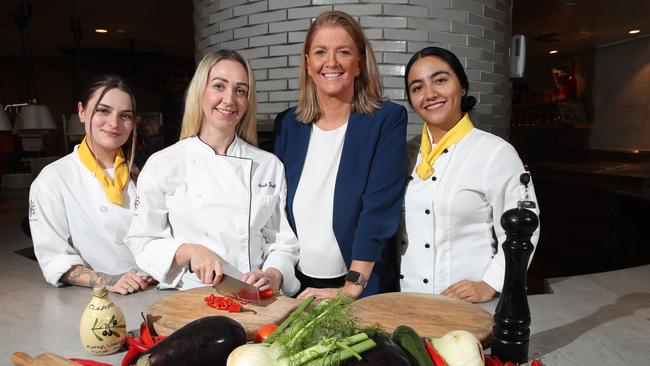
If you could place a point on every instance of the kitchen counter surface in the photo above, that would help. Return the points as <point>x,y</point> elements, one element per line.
<point>596,319</point>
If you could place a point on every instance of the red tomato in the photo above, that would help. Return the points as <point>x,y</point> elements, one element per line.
<point>263,332</point>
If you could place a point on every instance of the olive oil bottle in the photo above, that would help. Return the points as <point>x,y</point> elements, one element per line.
<point>103,327</point>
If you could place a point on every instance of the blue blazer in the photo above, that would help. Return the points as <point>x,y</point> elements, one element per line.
<point>369,185</point>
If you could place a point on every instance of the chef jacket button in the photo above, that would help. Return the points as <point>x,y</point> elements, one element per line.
<point>427,211</point>
<point>445,151</point>
<point>403,242</point>
<point>433,178</point>
<point>401,277</point>
<point>425,281</point>
<point>427,245</point>
<point>410,177</point>
<point>103,208</point>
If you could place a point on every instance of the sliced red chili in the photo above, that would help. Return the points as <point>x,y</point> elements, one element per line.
<point>225,303</point>
<point>536,363</point>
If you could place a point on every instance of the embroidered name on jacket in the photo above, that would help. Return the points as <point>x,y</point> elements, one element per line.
<point>268,184</point>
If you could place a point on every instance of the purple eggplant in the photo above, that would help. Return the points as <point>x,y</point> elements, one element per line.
<point>207,341</point>
<point>386,353</point>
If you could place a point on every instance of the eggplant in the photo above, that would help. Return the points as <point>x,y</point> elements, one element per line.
<point>206,341</point>
<point>386,353</point>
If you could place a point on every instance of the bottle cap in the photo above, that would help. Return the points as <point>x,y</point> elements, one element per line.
<point>99,291</point>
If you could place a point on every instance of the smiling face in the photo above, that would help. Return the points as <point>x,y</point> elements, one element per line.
<point>333,62</point>
<point>110,125</point>
<point>225,99</point>
<point>436,94</point>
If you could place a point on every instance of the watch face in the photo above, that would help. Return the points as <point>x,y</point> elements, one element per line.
<point>353,277</point>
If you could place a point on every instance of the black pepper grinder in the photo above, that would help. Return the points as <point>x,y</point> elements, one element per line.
<point>511,331</point>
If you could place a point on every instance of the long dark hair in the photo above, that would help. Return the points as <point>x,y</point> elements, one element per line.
<point>467,101</point>
<point>105,83</point>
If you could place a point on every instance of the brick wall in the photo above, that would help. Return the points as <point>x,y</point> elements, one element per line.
<point>270,33</point>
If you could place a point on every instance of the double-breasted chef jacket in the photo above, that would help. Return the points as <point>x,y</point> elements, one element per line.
<point>233,204</point>
<point>73,223</point>
<point>453,218</point>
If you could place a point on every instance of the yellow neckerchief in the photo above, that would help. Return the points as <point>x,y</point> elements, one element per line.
<point>112,187</point>
<point>429,156</point>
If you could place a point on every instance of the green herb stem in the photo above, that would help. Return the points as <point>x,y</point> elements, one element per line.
<point>324,347</point>
<point>336,358</point>
<point>289,320</point>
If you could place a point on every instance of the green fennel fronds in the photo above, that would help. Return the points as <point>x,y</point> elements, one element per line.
<point>329,319</point>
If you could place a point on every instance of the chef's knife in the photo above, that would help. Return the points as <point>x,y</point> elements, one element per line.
<point>238,289</point>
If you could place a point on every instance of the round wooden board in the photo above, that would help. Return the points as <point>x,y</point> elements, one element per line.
<point>429,315</point>
<point>181,307</point>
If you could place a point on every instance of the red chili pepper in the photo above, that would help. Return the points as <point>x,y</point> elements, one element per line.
<point>157,339</point>
<point>510,363</point>
<point>536,363</point>
<point>269,292</point>
<point>137,344</point>
<point>131,355</point>
<point>88,362</point>
<point>433,354</point>
<point>491,361</point>
<point>497,360</point>
<point>145,335</point>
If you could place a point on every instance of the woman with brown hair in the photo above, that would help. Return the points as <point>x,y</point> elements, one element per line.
<point>80,206</point>
<point>343,148</point>
<point>213,203</point>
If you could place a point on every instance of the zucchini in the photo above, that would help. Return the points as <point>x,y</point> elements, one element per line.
<point>412,344</point>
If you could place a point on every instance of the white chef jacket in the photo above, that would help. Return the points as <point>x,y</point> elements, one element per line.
<point>73,223</point>
<point>234,204</point>
<point>452,218</point>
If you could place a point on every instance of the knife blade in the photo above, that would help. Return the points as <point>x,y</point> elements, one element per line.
<point>238,289</point>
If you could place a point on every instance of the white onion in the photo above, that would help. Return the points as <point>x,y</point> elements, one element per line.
<point>459,348</point>
<point>255,354</point>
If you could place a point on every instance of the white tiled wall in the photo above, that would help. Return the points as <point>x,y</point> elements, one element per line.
<point>270,33</point>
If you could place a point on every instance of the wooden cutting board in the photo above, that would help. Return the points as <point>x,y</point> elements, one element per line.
<point>182,307</point>
<point>429,315</point>
<point>46,359</point>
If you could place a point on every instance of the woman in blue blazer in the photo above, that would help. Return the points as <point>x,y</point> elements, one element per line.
<point>344,152</point>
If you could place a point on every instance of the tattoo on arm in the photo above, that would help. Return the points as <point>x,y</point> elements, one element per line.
<point>84,276</point>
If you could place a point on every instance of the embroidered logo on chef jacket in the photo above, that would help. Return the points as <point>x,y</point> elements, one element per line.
<point>136,203</point>
<point>32,210</point>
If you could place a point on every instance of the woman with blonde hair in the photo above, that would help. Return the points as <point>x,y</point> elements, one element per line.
<point>80,206</point>
<point>343,148</point>
<point>213,203</point>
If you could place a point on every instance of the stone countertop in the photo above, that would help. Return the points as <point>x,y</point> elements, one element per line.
<point>597,319</point>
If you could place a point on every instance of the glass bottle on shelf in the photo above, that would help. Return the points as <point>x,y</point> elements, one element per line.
<point>571,83</point>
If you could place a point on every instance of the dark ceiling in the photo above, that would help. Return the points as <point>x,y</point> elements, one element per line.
<point>157,26</point>
<point>166,26</point>
<point>573,26</point>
